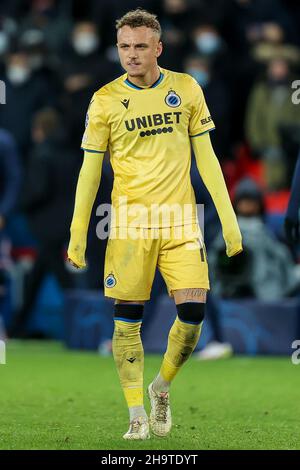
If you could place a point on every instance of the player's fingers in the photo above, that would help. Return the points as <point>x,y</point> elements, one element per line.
<point>236,253</point>
<point>73,264</point>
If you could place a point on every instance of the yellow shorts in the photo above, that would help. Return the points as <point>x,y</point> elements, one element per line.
<point>178,252</point>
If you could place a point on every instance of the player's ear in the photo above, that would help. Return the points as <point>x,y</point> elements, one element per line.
<point>159,49</point>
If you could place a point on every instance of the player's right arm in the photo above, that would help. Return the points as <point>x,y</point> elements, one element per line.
<point>86,191</point>
<point>94,144</point>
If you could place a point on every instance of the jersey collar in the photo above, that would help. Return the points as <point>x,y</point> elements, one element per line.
<point>157,82</point>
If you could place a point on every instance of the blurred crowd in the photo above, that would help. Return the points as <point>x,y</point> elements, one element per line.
<point>55,53</point>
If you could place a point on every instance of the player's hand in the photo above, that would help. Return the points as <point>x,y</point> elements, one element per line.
<point>234,252</point>
<point>76,250</point>
<point>292,233</point>
<point>73,264</point>
<point>76,256</point>
<point>233,245</point>
<point>75,261</point>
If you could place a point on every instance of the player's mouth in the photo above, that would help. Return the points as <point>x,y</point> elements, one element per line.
<point>134,64</point>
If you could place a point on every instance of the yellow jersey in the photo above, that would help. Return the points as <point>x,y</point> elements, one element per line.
<point>147,132</point>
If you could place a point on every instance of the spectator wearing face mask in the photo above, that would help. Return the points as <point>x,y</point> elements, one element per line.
<point>266,270</point>
<point>42,62</point>
<point>25,94</point>
<point>209,44</point>
<point>270,111</point>
<point>51,17</point>
<point>254,20</point>
<point>83,70</point>
<point>218,100</point>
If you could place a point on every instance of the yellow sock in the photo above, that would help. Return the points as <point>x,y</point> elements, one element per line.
<point>129,358</point>
<point>183,339</point>
<point>134,396</point>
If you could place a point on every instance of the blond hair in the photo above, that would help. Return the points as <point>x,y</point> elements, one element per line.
<point>137,18</point>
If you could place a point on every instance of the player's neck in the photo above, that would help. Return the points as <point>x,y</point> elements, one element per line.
<point>147,80</point>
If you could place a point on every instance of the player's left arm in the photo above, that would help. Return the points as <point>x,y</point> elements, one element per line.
<point>200,124</point>
<point>212,176</point>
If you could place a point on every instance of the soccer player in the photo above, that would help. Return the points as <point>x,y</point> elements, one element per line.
<point>148,119</point>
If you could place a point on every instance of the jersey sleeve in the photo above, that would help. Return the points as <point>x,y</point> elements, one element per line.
<point>96,135</point>
<point>200,119</point>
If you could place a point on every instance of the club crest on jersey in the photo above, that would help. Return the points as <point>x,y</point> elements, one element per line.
<point>172,99</point>
<point>110,281</point>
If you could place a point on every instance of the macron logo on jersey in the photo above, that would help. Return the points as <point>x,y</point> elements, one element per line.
<point>125,103</point>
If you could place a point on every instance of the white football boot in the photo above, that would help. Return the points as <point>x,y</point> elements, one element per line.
<point>160,416</point>
<point>215,350</point>
<point>138,429</point>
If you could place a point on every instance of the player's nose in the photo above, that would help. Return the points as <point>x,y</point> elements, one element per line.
<point>132,53</point>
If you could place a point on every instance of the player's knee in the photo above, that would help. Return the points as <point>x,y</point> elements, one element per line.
<point>191,312</point>
<point>130,313</point>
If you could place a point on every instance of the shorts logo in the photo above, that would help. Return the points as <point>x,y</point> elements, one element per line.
<point>110,281</point>
<point>172,99</point>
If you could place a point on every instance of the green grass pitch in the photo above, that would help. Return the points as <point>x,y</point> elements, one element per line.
<point>52,398</point>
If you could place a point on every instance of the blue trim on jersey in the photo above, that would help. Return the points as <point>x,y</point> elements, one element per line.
<point>202,133</point>
<point>190,322</point>
<point>158,81</point>
<point>92,151</point>
<point>127,320</point>
<point>132,85</point>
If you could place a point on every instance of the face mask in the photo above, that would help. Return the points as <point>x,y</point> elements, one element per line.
<point>200,76</point>
<point>85,43</point>
<point>208,43</point>
<point>3,42</point>
<point>18,74</point>
<point>250,223</point>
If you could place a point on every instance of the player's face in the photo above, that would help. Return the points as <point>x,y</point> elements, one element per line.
<point>138,50</point>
